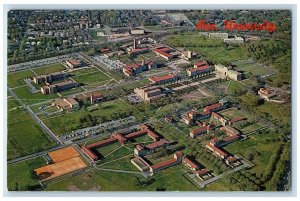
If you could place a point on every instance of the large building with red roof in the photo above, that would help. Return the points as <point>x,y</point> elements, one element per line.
<point>177,158</point>
<point>164,52</point>
<point>134,69</point>
<point>200,68</point>
<point>199,131</point>
<point>163,79</point>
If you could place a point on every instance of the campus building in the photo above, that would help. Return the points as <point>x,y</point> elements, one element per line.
<point>236,40</point>
<point>137,51</point>
<point>149,93</point>
<point>163,79</point>
<point>177,158</point>
<point>91,97</point>
<point>74,63</point>
<point>134,69</point>
<point>48,78</point>
<point>65,103</point>
<point>191,117</point>
<point>164,52</point>
<point>218,35</point>
<point>141,150</point>
<point>199,131</point>
<point>61,86</point>
<point>190,164</point>
<point>227,72</point>
<point>201,68</point>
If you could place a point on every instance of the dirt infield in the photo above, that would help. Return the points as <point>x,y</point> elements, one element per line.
<point>63,154</point>
<point>57,169</point>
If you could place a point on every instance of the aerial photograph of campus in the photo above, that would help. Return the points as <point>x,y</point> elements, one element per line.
<point>149,100</point>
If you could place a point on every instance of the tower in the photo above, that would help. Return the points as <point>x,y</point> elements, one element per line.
<point>134,43</point>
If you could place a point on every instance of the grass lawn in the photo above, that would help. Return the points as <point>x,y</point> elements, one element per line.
<point>122,164</point>
<point>116,154</point>
<point>28,98</point>
<point>109,148</point>
<point>24,135</point>
<point>83,71</point>
<point>232,113</point>
<point>19,175</point>
<point>11,103</point>
<point>91,78</point>
<point>262,71</point>
<point>49,69</point>
<point>235,86</point>
<point>15,79</point>
<point>67,122</point>
<point>71,91</point>
<point>257,143</point>
<point>170,179</point>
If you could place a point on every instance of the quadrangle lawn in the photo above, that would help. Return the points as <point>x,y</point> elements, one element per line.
<point>28,98</point>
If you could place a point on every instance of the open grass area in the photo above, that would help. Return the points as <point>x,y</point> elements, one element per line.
<point>48,69</point>
<point>108,149</point>
<point>170,179</point>
<point>20,176</point>
<point>22,129</point>
<point>11,103</point>
<point>261,144</point>
<point>71,91</point>
<point>91,78</point>
<point>122,164</point>
<point>115,155</point>
<point>233,112</point>
<point>70,121</point>
<point>15,79</point>
<point>28,98</point>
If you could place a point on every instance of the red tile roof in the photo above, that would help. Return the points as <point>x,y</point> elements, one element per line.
<point>152,134</point>
<point>202,172</point>
<point>90,153</point>
<point>157,144</point>
<point>222,153</point>
<point>200,68</point>
<point>161,78</point>
<point>191,163</point>
<point>212,107</point>
<point>231,138</point>
<point>102,143</point>
<point>136,134</point>
<point>201,63</point>
<point>163,164</point>
<point>200,130</point>
<point>237,119</point>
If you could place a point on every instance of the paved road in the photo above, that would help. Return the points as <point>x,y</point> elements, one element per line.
<point>36,118</point>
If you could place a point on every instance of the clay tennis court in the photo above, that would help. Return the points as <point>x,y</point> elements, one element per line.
<point>65,160</point>
<point>61,168</point>
<point>63,154</point>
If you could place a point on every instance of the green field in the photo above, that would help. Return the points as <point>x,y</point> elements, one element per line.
<point>115,155</point>
<point>21,130</point>
<point>170,179</point>
<point>71,91</point>
<point>20,177</point>
<point>11,103</point>
<point>15,79</point>
<point>92,78</point>
<point>28,98</point>
<point>48,69</point>
<point>263,147</point>
<point>70,121</point>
